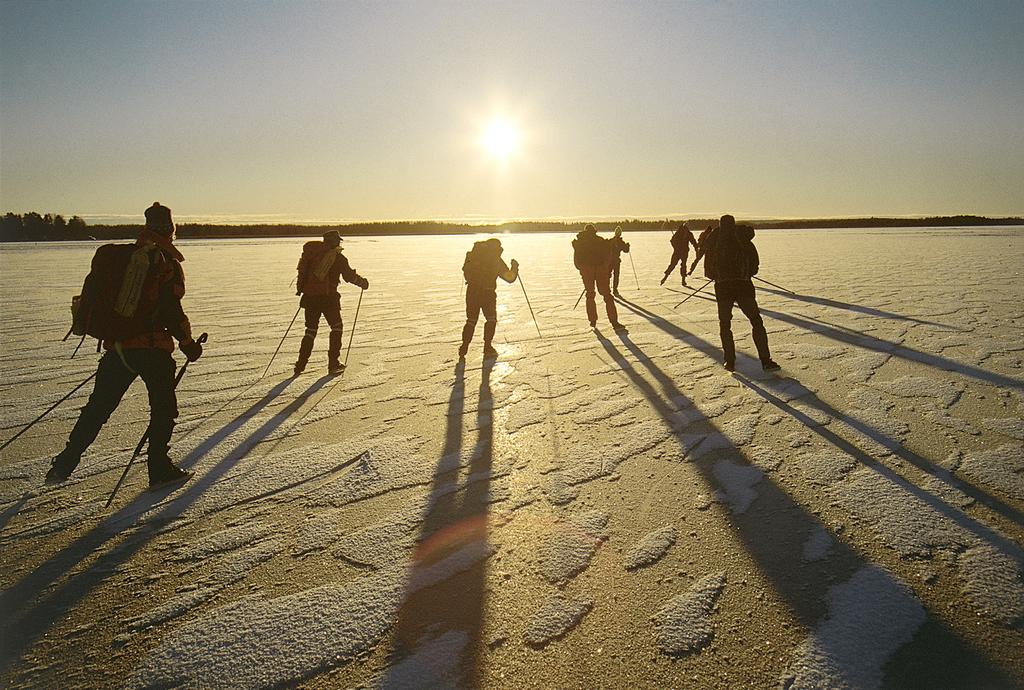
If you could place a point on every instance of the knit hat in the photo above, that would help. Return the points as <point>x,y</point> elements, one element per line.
<point>158,219</point>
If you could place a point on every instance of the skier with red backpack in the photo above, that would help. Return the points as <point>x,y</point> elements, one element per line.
<point>131,300</point>
<point>481,270</point>
<point>321,267</point>
<point>731,260</point>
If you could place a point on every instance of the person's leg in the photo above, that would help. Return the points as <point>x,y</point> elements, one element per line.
<point>311,316</point>
<point>671,266</point>
<point>156,368</point>
<point>616,267</point>
<point>332,312</point>
<point>682,266</point>
<point>472,314</point>
<point>589,273</point>
<point>747,302</point>
<point>489,306</point>
<point>602,279</point>
<point>724,297</point>
<point>112,381</point>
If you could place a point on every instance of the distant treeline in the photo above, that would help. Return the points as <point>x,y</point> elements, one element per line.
<point>33,227</point>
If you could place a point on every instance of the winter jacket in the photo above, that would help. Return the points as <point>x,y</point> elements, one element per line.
<point>319,275</point>
<point>680,239</point>
<point>619,245</point>
<point>591,250</point>
<point>160,315</point>
<point>730,254</point>
<point>484,266</point>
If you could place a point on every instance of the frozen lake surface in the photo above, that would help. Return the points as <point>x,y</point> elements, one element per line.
<point>590,511</point>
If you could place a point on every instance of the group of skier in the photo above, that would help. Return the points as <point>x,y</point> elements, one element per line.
<point>131,301</point>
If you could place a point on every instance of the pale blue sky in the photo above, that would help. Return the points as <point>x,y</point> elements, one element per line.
<point>299,110</point>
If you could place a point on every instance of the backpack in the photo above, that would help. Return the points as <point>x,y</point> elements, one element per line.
<point>478,266</point>
<point>119,296</point>
<point>730,257</point>
<point>591,251</point>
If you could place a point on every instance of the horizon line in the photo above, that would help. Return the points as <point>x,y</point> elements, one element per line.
<point>472,219</point>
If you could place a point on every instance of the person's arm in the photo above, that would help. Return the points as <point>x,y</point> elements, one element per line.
<point>172,315</point>
<point>693,241</point>
<point>350,275</point>
<point>507,274</point>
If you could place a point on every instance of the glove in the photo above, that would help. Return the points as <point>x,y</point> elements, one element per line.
<point>515,265</point>
<point>365,284</point>
<point>193,350</point>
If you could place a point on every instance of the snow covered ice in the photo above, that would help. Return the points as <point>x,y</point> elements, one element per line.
<point>592,510</point>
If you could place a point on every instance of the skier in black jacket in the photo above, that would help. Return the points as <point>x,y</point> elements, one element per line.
<point>731,260</point>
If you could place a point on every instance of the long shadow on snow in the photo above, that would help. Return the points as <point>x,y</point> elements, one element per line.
<point>454,528</point>
<point>26,616</point>
<point>869,342</point>
<point>860,309</point>
<point>940,473</point>
<point>776,527</point>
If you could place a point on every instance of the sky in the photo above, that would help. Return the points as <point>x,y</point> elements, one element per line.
<point>338,111</point>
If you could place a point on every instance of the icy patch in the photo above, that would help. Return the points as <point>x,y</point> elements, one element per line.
<point>557,616</point>
<point>818,544</point>
<point>651,547</point>
<point>224,540</point>
<point>817,352</point>
<point>737,482</point>
<point>785,389</point>
<point>240,564</point>
<point>568,550</point>
<point>424,576</point>
<point>740,430</point>
<point>1008,426</point>
<point>863,367</point>
<point>558,490</point>
<point>524,414</point>
<point>603,410</point>
<point>869,399</point>
<point>826,466</point>
<point>174,608</point>
<point>870,616</point>
<point>586,463</point>
<point>684,623</point>
<point>379,544</point>
<point>945,392</point>
<point>944,419</point>
<point>429,666</point>
<point>994,581</point>
<point>256,643</point>
<point>765,457</point>
<point>906,523</point>
<point>1001,468</point>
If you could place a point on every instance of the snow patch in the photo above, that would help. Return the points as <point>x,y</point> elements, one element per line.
<point>651,547</point>
<point>684,624</point>
<point>870,616</point>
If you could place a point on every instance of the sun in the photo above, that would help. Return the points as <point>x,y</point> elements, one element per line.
<point>501,139</point>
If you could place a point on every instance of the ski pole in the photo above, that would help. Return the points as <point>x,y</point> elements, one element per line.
<point>76,348</point>
<point>282,341</point>
<point>774,285</point>
<point>578,299</point>
<point>695,292</point>
<point>48,411</point>
<point>633,265</point>
<point>520,278</point>
<point>355,320</point>
<point>145,437</point>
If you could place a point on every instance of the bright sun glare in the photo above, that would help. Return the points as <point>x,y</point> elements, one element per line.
<point>501,139</point>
